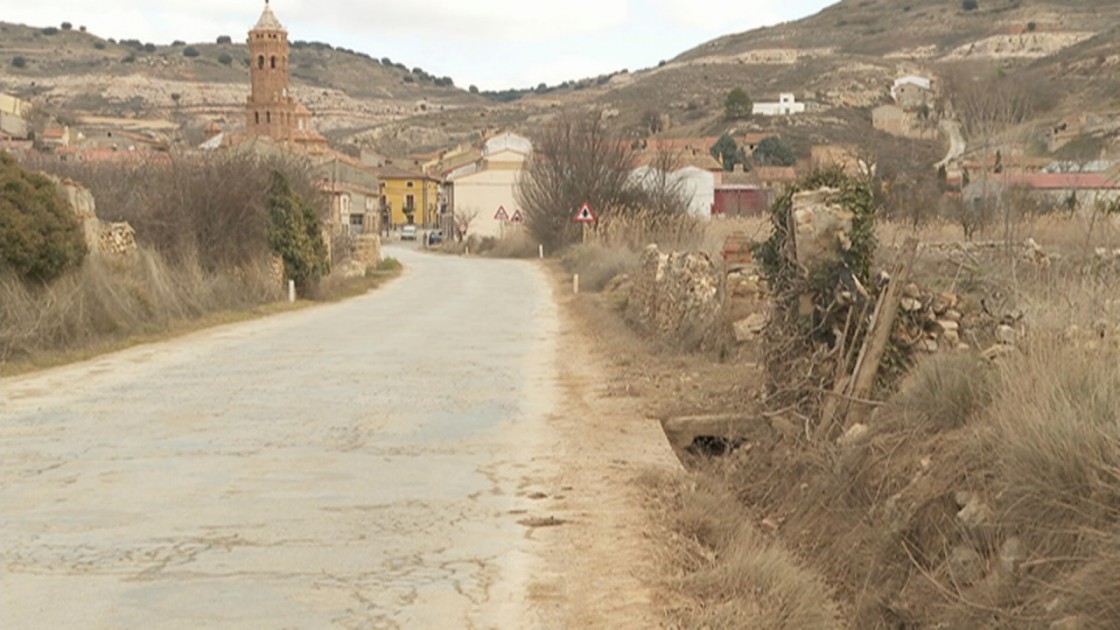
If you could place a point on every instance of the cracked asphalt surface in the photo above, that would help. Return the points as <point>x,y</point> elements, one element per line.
<point>357,465</point>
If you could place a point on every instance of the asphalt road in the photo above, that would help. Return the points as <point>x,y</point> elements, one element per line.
<point>347,466</point>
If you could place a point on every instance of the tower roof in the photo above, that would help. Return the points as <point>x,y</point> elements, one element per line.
<point>268,21</point>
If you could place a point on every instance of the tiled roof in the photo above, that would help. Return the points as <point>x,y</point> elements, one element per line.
<point>1062,181</point>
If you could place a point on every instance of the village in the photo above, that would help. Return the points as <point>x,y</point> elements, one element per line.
<point>771,334</point>
<point>471,189</point>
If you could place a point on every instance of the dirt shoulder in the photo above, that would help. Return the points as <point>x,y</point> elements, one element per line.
<point>602,563</point>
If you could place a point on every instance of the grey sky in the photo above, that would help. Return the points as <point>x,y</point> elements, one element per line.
<point>491,43</point>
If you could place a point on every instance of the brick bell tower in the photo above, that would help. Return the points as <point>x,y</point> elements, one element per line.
<point>271,111</point>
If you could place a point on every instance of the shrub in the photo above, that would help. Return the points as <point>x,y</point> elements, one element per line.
<point>947,389</point>
<point>19,62</point>
<point>225,39</point>
<point>50,30</point>
<point>40,236</point>
<point>773,152</point>
<point>66,26</point>
<point>149,48</point>
<point>99,45</point>
<point>225,59</point>
<point>128,59</point>
<point>191,52</point>
<point>294,234</point>
<point>178,43</point>
<point>738,105</point>
<point>970,5</point>
<point>208,208</point>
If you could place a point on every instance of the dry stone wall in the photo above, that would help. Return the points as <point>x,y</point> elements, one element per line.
<point>679,298</point>
<point>110,239</point>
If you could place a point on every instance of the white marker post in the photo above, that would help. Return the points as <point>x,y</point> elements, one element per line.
<point>575,284</point>
<point>542,251</point>
<point>292,291</point>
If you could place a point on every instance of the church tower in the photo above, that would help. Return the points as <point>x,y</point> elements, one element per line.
<point>271,111</point>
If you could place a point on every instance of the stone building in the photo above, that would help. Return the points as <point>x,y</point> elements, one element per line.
<point>271,109</point>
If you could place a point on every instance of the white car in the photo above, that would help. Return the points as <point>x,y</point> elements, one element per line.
<point>408,233</point>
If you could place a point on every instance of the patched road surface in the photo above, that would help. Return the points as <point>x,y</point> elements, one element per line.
<point>359,465</point>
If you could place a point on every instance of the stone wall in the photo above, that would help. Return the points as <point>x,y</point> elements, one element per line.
<point>679,298</point>
<point>110,239</point>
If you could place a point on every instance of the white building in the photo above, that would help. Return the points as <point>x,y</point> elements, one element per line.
<point>913,79</point>
<point>491,183</point>
<point>697,184</point>
<point>787,105</point>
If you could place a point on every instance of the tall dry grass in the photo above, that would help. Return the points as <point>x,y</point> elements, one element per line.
<point>108,299</point>
<point>736,577</point>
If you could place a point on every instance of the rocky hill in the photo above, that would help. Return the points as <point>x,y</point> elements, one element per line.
<point>841,60</point>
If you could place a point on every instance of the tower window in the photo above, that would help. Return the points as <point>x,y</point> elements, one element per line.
<point>257,115</point>
<point>260,62</point>
<point>273,62</point>
<point>268,117</point>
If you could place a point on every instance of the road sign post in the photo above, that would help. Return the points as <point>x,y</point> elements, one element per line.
<point>586,217</point>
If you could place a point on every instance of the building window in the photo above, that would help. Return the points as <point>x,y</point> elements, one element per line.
<point>268,117</point>
<point>257,115</point>
<point>260,62</point>
<point>410,202</point>
<point>408,185</point>
<point>273,62</point>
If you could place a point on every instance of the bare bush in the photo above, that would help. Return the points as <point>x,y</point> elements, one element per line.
<point>577,160</point>
<point>207,208</point>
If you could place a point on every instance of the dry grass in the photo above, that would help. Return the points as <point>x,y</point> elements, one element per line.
<point>597,264</point>
<point>736,577</point>
<point>946,390</point>
<point>110,299</point>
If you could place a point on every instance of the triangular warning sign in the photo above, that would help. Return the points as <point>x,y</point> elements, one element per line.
<point>517,217</point>
<point>585,215</point>
<point>502,215</point>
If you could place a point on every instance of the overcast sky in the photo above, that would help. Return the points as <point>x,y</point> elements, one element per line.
<point>494,44</point>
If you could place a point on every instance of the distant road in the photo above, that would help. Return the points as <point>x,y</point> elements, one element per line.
<point>357,465</point>
<point>957,144</point>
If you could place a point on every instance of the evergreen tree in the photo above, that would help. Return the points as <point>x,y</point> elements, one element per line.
<point>738,105</point>
<point>295,235</point>
<point>728,152</point>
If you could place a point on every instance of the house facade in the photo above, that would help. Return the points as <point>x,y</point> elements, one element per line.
<point>409,197</point>
<point>787,105</point>
<point>491,183</point>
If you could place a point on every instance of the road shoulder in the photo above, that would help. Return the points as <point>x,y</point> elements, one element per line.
<point>601,568</point>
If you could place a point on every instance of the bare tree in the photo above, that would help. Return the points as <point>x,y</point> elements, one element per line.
<point>576,160</point>
<point>462,221</point>
<point>989,104</point>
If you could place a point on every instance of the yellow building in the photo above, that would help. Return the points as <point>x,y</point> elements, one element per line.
<point>409,197</point>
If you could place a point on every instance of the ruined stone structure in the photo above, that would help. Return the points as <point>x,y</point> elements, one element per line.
<point>271,109</point>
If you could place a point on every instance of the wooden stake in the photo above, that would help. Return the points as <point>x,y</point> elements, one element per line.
<point>867,367</point>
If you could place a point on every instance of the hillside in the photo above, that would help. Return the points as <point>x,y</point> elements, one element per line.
<point>842,61</point>
<point>78,73</point>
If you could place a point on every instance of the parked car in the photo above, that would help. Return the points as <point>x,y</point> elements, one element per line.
<point>408,233</point>
<point>435,237</point>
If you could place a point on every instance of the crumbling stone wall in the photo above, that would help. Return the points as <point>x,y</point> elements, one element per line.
<point>111,239</point>
<point>679,298</point>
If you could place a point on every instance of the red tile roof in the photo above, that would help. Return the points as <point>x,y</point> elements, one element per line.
<point>1062,181</point>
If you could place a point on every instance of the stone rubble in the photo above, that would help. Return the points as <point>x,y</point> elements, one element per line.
<point>678,297</point>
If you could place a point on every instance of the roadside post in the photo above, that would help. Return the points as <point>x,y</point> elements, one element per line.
<point>292,291</point>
